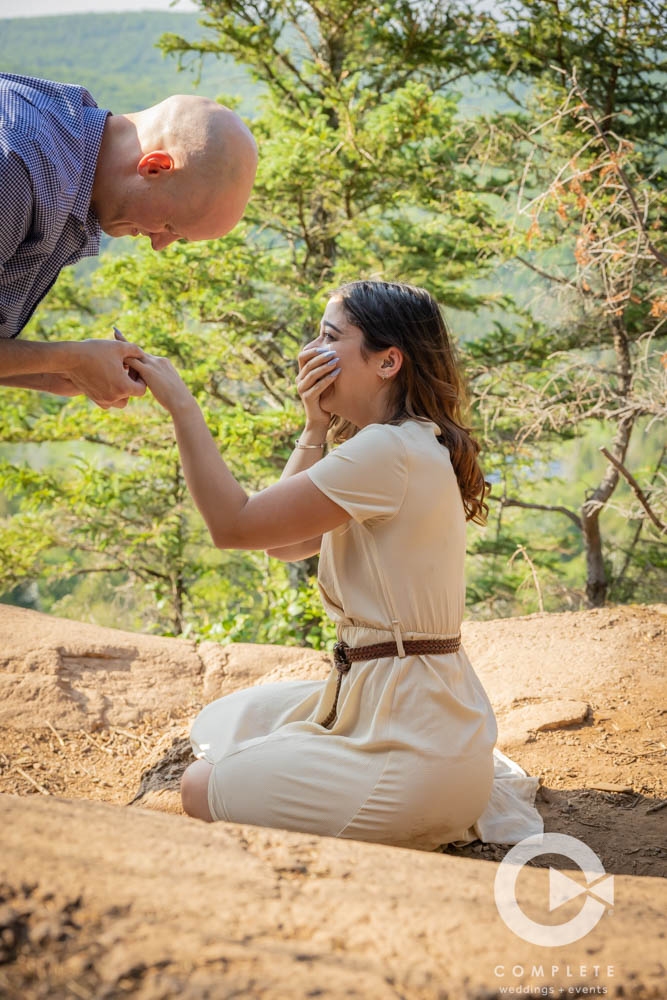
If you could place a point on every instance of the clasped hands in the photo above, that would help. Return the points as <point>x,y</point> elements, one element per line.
<point>100,370</point>
<point>110,372</point>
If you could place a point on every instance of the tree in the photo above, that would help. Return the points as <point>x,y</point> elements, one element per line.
<point>367,168</point>
<point>587,178</point>
<point>363,167</point>
<point>362,172</point>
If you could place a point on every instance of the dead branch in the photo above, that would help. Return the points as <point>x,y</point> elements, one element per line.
<point>545,274</point>
<point>40,788</point>
<point>635,486</point>
<point>638,530</point>
<point>512,502</point>
<point>522,551</point>
<point>56,733</point>
<point>660,257</point>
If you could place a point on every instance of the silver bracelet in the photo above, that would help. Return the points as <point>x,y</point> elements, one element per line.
<point>299,445</point>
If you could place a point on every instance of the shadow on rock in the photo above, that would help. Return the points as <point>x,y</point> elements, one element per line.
<point>625,830</point>
<point>159,787</point>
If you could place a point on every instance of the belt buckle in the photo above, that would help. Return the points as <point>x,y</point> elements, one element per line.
<point>341,661</point>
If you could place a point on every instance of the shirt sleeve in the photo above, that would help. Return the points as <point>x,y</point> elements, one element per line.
<point>16,204</point>
<point>367,476</point>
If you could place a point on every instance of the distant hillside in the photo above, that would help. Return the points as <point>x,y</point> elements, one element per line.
<point>115,57</point>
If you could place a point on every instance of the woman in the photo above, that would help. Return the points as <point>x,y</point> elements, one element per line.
<point>397,745</point>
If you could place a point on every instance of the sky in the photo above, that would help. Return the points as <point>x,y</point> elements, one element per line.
<point>39,8</point>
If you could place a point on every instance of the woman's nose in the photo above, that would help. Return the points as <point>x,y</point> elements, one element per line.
<point>312,343</point>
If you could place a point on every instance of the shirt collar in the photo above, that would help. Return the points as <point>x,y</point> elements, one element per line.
<point>94,120</point>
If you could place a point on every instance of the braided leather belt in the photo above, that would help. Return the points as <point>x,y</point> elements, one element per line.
<point>344,656</point>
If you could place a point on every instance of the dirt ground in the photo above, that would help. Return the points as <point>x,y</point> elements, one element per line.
<point>63,913</point>
<point>619,745</point>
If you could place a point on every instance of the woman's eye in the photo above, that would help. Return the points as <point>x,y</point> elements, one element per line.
<point>329,336</point>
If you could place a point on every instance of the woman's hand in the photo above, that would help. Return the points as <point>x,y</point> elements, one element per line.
<point>163,381</point>
<point>318,369</point>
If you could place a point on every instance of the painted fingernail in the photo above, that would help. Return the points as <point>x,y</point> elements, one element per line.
<point>336,371</point>
<point>324,350</point>
<point>333,361</point>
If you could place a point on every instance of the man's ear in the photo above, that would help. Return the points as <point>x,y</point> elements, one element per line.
<point>154,163</point>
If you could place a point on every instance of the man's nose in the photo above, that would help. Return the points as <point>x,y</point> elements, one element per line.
<point>161,240</point>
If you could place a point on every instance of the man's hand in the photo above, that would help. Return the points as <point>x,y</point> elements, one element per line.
<point>99,371</point>
<point>162,379</point>
<point>59,385</point>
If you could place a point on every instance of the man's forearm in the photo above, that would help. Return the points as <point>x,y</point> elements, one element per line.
<point>38,381</point>
<point>34,358</point>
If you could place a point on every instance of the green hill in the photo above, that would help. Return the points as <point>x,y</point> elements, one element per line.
<point>115,57</point>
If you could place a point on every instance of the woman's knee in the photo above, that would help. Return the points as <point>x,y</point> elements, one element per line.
<point>194,790</point>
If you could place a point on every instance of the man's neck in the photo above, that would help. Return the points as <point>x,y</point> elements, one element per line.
<point>118,150</point>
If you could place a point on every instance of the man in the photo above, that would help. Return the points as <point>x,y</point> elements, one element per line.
<point>183,169</point>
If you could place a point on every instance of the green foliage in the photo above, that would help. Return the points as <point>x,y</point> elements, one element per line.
<point>584,204</point>
<point>115,57</point>
<point>615,47</point>
<point>122,511</point>
<point>367,168</point>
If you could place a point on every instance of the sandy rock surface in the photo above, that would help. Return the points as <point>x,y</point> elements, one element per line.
<point>519,723</point>
<point>242,664</point>
<point>92,677</point>
<point>85,676</point>
<point>98,900</point>
<point>160,906</point>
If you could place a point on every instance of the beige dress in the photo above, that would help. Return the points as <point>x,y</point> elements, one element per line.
<point>409,759</point>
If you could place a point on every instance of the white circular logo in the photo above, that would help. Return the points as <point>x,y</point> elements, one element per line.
<point>562,888</point>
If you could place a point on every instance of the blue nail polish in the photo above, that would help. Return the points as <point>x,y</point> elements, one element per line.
<point>324,350</point>
<point>336,371</point>
<point>333,361</point>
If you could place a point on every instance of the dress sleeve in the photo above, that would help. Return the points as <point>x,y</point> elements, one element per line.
<point>367,476</point>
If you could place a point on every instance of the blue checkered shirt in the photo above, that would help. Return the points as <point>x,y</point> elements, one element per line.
<point>50,136</point>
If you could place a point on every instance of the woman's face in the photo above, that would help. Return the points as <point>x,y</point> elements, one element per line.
<point>358,393</point>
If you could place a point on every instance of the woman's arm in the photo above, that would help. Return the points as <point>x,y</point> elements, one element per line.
<point>294,553</point>
<point>300,460</point>
<point>293,510</point>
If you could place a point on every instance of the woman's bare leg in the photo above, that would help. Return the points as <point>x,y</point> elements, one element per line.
<point>194,790</point>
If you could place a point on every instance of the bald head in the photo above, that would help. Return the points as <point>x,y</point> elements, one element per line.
<point>183,168</point>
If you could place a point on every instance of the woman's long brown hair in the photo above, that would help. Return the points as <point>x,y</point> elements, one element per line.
<point>429,383</point>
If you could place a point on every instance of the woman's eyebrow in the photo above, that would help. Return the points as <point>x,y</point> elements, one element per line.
<point>327,323</point>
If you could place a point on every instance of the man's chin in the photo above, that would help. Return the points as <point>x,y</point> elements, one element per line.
<point>115,229</point>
